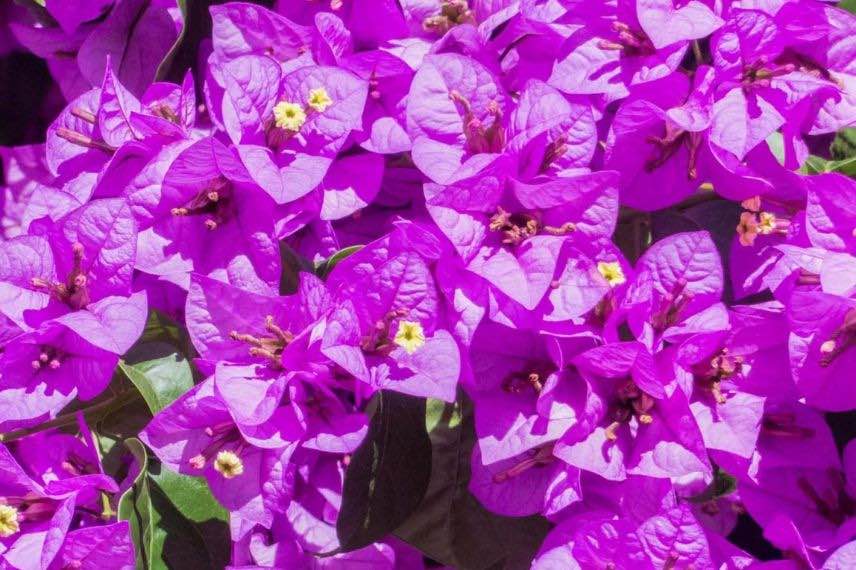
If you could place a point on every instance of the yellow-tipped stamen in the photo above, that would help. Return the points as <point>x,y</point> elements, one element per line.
<point>8,521</point>
<point>767,223</point>
<point>289,116</point>
<point>612,272</point>
<point>319,99</point>
<point>409,336</point>
<point>228,464</point>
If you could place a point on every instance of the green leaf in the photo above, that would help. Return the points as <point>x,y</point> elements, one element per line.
<point>814,165</point>
<point>292,265</point>
<point>175,522</point>
<point>135,506</point>
<point>169,68</point>
<point>113,429</point>
<point>187,545</point>
<point>161,328</point>
<point>388,474</point>
<point>189,495</point>
<point>844,145</point>
<point>324,268</point>
<point>722,485</point>
<point>159,372</point>
<point>450,525</point>
<point>845,166</point>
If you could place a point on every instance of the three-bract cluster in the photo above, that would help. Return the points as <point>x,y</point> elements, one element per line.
<point>483,153</point>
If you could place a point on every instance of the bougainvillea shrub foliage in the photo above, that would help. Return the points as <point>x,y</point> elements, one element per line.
<point>409,284</point>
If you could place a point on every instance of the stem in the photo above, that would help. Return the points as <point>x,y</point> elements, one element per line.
<point>111,403</point>
<point>697,53</point>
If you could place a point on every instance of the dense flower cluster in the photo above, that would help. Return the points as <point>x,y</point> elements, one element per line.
<point>483,154</point>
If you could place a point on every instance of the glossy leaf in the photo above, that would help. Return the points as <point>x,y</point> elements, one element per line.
<point>159,372</point>
<point>451,526</point>
<point>388,474</point>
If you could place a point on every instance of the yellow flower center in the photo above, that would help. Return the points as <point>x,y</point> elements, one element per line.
<point>767,223</point>
<point>611,271</point>
<point>289,116</point>
<point>228,464</point>
<point>8,521</point>
<point>409,336</point>
<point>319,99</point>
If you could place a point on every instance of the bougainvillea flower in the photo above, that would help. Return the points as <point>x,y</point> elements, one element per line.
<point>640,523</point>
<point>533,482</point>
<point>457,110</point>
<point>307,528</point>
<point>389,78</point>
<point>675,295</point>
<point>242,29</point>
<point>35,518</point>
<point>763,81</point>
<point>135,36</point>
<point>392,338</point>
<point>98,547</point>
<point>822,344</point>
<point>615,46</point>
<point>511,234</point>
<point>830,211</point>
<point>222,319</point>
<point>198,434</point>
<point>32,192</point>
<point>211,219</point>
<point>288,126</point>
<point>77,272</point>
<point>54,45</point>
<point>73,141</point>
<point>672,122</point>
<point>46,369</point>
<point>820,503</point>
<point>631,423</point>
<point>523,399</point>
<point>262,345</point>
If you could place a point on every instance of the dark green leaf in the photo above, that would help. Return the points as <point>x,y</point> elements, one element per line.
<point>189,495</point>
<point>450,525</point>
<point>722,485</point>
<point>175,522</point>
<point>292,265</point>
<point>187,545</point>
<point>38,11</point>
<point>161,328</point>
<point>159,373</point>
<point>814,165</point>
<point>388,474</point>
<point>844,145</point>
<point>135,506</point>
<point>113,429</point>
<point>324,268</point>
<point>845,166</point>
<point>849,5</point>
<point>165,67</point>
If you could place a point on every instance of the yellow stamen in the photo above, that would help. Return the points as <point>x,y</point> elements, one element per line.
<point>409,336</point>
<point>289,116</point>
<point>228,464</point>
<point>611,271</point>
<point>8,521</point>
<point>319,99</point>
<point>767,223</point>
